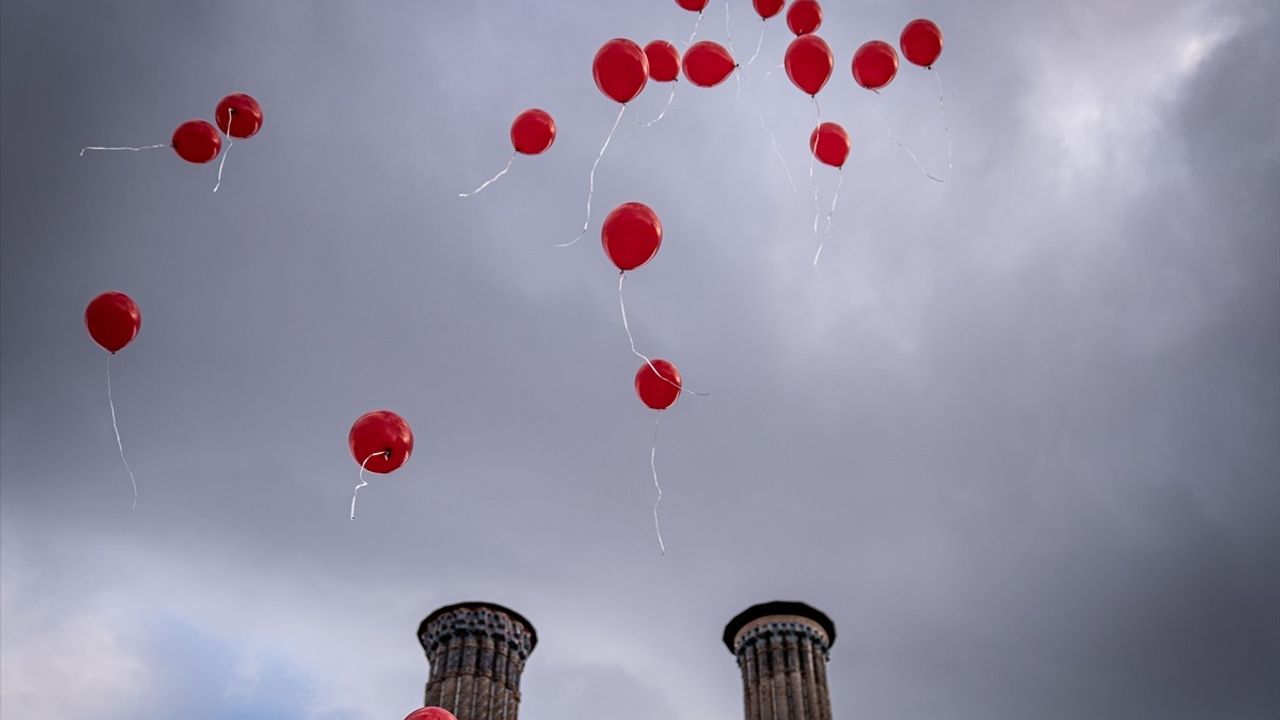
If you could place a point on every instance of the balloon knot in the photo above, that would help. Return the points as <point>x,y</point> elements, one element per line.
<point>386,454</point>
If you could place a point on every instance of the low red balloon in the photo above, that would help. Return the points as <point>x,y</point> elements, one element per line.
<point>664,61</point>
<point>431,713</point>
<point>804,16</point>
<point>809,63</point>
<point>659,390</point>
<point>620,69</point>
<point>693,5</point>
<point>768,8</point>
<point>707,64</point>
<point>875,64</point>
<point>380,440</point>
<point>238,115</point>
<point>830,144</point>
<point>196,141</point>
<point>631,235</point>
<point>113,320</point>
<point>921,42</point>
<point>533,131</point>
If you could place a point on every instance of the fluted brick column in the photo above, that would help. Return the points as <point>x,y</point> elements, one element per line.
<point>477,653</point>
<point>782,650</point>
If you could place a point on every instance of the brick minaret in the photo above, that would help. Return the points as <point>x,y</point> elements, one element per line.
<point>782,650</point>
<point>477,652</point>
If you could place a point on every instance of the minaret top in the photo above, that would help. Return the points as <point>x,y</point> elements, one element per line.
<point>778,609</point>
<point>515,616</point>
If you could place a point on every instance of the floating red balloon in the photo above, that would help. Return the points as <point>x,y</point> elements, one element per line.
<point>693,5</point>
<point>113,320</point>
<point>533,131</point>
<point>921,42</point>
<point>431,713</point>
<point>830,144</point>
<point>875,64</point>
<point>660,389</point>
<point>381,441</point>
<point>809,63</point>
<point>239,115</point>
<point>768,8</point>
<point>804,16</point>
<point>196,141</point>
<point>664,61</point>
<point>631,235</point>
<point>707,64</point>
<point>620,69</point>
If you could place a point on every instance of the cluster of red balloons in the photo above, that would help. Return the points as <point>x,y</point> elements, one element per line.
<point>197,141</point>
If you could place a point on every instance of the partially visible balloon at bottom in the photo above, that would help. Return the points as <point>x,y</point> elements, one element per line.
<point>431,713</point>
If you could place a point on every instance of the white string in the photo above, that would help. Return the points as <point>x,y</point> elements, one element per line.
<point>773,140</point>
<point>666,107</point>
<point>591,189</point>
<point>942,110</point>
<point>905,149</point>
<point>226,152</point>
<point>653,465</point>
<point>773,70</point>
<point>119,444</point>
<point>491,180</point>
<point>363,482</point>
<point>813,154</point>
<point>822,241</point>
<point>622,276</point>
<point>694,34</point>
<point>728,34</point>
<point>134,149</point>
<point>759,43</point>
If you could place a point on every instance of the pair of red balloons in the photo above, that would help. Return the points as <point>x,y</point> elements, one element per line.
<point>875,64</point>
<point>197,141</point>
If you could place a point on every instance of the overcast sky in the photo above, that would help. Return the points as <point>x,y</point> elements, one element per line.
<point>1017,433</point>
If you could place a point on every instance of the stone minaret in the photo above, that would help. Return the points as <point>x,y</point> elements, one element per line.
<point>477,652</point>
<point>782,650</point>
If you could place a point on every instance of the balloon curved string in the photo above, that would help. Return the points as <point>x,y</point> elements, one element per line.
<point>111,403</point>
<point>728,36</point>
<point>694,34</point>
<point>905,149</point>
<point>222,163</point>
<point>813,149</point>
<point>491,180</point>
<point>942,110</point>
<point>653,465</point>
<point>662,114</point>
<point>134,149</point>
<point>622,277</point>
<point>363,482</point>
<point>773,70</point>
<point>591,184</point>
<point>759,43</point>
<point>822,241</point>
<point>773,140</point>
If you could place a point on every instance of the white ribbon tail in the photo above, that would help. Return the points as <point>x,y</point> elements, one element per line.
<point>591,184</point>
<point>491,180</point>
<point>116,428</point>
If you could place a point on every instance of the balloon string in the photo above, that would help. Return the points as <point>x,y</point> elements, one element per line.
<point>226,152</point>
<point>363,482</point>
<point>773,70</point>
<point>773,140</point>
<point>134,149</point>
<point>905,149</point>
<point>822,241</point>
<point>942,110</point>
<point>491,180</point>
<point>694,34</point>
<point>622,277</point>
<point>653,465</point>
<point>119,444</point>
<point>728,35</point>
<point>759,44</point>
<point>591,188</point>
<point>813,150</point>
<point>662,114</point>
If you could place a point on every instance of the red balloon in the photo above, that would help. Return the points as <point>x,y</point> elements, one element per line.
<point>664,61</point>
<point>381,437</point>
<point>660,389</point>
<point>804,16</point>
<point>196,141</point>
<point>707,64</point>
<point>431,713</point>
<point>768,8</point>
<point>239,115</point>
<point>113,319</point>
<point>693,5</point>
<point>830,144</point>
<point>533,131</point>
<point>921,42</point>
<point>809,63</point>
<point>621,69</point>
<point>875,64</point>
<point>631,235</point>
